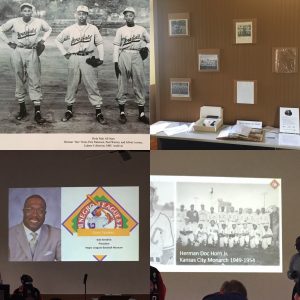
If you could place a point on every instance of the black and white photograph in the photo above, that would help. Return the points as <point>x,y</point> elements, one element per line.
<point>178,27</point>
<point>180,89</point>
<point>73,66</point>
<point>245,31</point>
<point>226,224</point>
<point>162,236</point>
<point>208,62</point>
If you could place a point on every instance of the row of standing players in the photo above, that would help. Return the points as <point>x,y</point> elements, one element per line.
<point>84,38</point>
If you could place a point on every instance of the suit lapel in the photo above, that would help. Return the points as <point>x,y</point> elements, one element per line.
<point>22,240</point>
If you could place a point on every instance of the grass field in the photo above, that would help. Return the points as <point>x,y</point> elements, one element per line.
<point>54,76</point>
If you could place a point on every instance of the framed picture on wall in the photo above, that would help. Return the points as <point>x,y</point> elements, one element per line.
<point>285,60</point>
<point>245,91</point>
<point>180,89</point>
<point>209,60</point>
<point>244,31</point>
<point>178,25</point>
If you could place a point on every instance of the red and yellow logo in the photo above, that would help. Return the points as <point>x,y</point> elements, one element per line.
<point>100,215</point>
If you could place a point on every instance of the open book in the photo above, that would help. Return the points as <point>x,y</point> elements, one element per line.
<point>241,132</point>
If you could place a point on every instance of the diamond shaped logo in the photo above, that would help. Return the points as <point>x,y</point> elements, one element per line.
<point>274,184</point>
<point>100,214</point>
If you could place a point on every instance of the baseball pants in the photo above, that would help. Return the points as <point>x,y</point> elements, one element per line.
<point>78,69</point>
<point>27,68</point>
<point>131,66</point>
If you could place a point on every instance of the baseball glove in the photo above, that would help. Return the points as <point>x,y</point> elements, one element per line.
<point>94,62</point>
<point>40,47</point>
<point>144,53</point>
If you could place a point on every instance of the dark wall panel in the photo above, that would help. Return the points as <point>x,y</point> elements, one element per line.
<point>278,25</point>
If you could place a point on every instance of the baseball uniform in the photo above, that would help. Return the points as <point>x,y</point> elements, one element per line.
<point>233,236</point>
<point>223,236</point>
<point>187,235</point>
<point>161,236</point>
<point>266,237</point>
<point>24,58</point>
<point>244,236</point>
<point>128,41</point>
<point>201,236</point>
<point>255,237</point>
<point>212,234</point>
<point>83,41</point>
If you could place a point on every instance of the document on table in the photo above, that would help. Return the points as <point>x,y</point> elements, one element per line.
<point>289,139</point>
<point>176,129</point>
<point>234,131</point>
<point>155,128</point>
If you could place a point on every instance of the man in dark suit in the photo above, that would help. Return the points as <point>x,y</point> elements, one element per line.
<point>32,240</point>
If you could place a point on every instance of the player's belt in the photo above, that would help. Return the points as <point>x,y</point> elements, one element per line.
<point>83,53</point>
<point>26,47</point>
<point>131,51</point>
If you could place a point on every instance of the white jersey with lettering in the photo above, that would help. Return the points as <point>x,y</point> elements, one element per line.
<point>82,38</point>
<point>161,235</point>
<point>132,38</point>
<point>26,34</point>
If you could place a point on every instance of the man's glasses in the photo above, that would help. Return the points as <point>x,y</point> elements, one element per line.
<point>31,210</point>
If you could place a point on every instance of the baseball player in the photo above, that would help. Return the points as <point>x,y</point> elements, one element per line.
<point>180,216</point>
<point>212,233</point>
<point>26,38</point>
<point>223,235</point>
<point>222,215</point>
<point>130,44</point>
<point>84,38</point>
<point>203,214</point>
<point>266,237</point>
<point>186,234</point>
<point>161,233</point>
<point>201,235</point>
<point>264,217</point>
<point>255,236</point>
<point>192,214</point>
<point>244,235</point>
<point>212,215</point>
<point>233,235</point>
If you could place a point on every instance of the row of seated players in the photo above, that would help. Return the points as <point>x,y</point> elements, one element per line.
<point>223,235</point>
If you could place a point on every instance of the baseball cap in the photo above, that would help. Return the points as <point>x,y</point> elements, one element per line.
<point>129,9</point>
<point>83,8</point>
<point>26,4</point>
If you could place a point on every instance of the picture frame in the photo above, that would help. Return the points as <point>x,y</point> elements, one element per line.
<point>285,60</point>
<point>179,24</point>
<point>245,91</point>
<point>209,60</point>
<point>180,89</point>
<point>245,31</point>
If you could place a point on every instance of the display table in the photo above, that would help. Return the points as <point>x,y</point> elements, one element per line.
<point>191,140</point>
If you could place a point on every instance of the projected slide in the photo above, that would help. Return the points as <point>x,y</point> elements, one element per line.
<point>74,224</point>
<point>215,224</point>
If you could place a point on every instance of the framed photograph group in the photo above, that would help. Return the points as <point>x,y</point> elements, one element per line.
<point>178,25</point>
<point>244,31</point>
<point>180,89</point>
<point>209,60</point>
